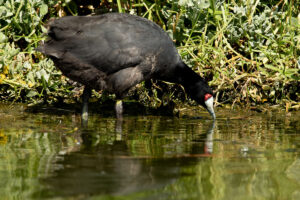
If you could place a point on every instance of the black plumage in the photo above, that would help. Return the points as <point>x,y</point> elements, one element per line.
<point>114,52</point>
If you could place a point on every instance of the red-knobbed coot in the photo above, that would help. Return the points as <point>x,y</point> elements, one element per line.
<point>115,51</point>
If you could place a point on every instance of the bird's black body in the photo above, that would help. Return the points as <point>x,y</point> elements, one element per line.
<point>114,52</point>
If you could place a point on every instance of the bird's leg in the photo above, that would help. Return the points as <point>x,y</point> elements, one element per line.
<point>85,101</point>
<point>119,109</point>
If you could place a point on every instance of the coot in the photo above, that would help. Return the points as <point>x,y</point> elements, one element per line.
<point>114,52</point>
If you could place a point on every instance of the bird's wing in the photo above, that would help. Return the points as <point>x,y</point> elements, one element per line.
<point>107,45</point>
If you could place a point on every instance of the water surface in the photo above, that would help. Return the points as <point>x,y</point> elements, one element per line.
<point>243,155</point>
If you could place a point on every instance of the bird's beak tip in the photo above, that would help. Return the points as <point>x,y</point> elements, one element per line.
<point>210,107</point>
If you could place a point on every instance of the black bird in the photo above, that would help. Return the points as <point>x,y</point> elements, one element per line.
<point>114,52</point>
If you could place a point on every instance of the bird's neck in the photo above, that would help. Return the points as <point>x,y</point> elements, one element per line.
<point>185,76</point>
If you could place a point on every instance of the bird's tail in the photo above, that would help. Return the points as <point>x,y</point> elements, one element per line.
<point>41,48</point>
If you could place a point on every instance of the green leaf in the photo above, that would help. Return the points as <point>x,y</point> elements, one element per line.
<point>43,9</point>
<point>3,38</point>
<point>32,93</point>
<point>45,75</point>
<point>44,30</point>
<point>295,21</point>
<point>272,68</point>
<point>4,12</point>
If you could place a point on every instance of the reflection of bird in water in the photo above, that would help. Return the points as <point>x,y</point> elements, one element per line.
<point>110,168</point>
<point>206,139</point>
<point>114,52</point>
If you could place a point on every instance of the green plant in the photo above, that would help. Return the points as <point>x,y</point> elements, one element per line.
<point>248,50</point>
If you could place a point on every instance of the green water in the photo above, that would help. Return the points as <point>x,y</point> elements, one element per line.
<point>243,155</point>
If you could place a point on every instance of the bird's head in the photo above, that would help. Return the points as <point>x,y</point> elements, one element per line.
<point>203,95</point>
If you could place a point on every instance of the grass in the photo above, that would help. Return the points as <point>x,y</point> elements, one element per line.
<point>248,51</point>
